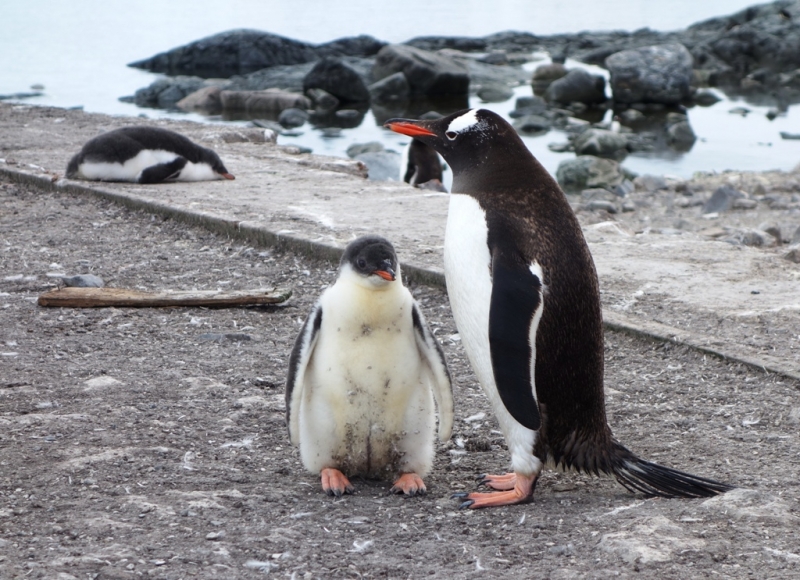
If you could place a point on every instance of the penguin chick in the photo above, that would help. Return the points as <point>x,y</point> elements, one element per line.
<point>363,376</point>
<point>525,298</point>
<point>145,155</point>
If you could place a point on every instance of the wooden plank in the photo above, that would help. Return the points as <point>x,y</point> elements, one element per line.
<point>105,297</point>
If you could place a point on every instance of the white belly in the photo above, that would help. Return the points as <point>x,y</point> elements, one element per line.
<point>467,264</point>
<point>128,171</point>
<point>133,167</point>
<point>367,407</point>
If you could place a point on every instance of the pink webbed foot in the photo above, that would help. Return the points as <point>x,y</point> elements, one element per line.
<point>503,482</point>
<point>409,484</point>
<point>334,482</point>
<point>520,492</point>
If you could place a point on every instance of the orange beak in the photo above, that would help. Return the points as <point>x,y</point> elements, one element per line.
<point>385,275</point>
<point>227,176</point>
<point>409,128</point>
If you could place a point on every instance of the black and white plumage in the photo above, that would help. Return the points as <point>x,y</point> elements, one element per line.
<point>145,155</point>
<point>363,377</point>
<point>420,164</point>
<point>525,297</point>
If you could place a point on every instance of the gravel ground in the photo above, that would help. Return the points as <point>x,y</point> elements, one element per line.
<point>151,442</point>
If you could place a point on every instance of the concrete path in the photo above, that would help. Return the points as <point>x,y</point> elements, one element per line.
<point>317,204</point>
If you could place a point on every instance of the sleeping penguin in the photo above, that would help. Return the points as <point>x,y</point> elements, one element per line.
<point>525,297</point>
<point>363,377</point>
<point>145,155</point>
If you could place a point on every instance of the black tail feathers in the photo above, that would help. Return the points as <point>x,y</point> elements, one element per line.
<point>638,475</point>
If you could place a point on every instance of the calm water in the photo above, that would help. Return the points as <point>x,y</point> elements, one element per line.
<point>78,51</point>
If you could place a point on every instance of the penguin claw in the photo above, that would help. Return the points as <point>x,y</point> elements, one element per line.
<point>335,483</point>
<point>409,484</point>
<point>466,504</point>
<point>459,495</point>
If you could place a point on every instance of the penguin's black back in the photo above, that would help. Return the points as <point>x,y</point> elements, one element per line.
<point>423,163</point>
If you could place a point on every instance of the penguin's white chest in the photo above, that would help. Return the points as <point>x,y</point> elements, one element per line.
<point>467,267</point>
<point>365,391</point>
<point>133,168</point>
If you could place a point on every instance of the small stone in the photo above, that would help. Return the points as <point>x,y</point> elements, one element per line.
<point>347,114</point>
<point>772,229</point>
<point>83,281</point>
<point>744,204</point>
<point>215,536</point>
<point>722,199</point>
<point>358,148</point>
<point>292,117</point>
<point>601,205</point>
<point>793,255</point>
<point>795,236</point>
<point>495,93</point>
<point>650,183</point>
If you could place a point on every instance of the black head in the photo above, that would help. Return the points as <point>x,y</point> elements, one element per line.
<point>466,139</point>
<point>371,256</point>
<point>210,156</point>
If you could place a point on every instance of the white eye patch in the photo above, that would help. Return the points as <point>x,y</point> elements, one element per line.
<point>462,123</point>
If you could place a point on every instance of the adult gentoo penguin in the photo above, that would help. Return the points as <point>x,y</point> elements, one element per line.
<point>524,294</point>
<point>145,155</point>
<point>363,376</point>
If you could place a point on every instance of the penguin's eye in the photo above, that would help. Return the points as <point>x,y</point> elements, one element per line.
<point>362,263</point>
<point>451,135</point>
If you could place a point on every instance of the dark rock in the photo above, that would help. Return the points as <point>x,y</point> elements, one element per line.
<point>722,199</point>
<point>428,74</point>
<point>393,88</point>
<point>83,281</point>
<point>495,93</point>
<point>205,100</point>
<point>358,148</point>
<point>348,114</point>
<point>624,189</point>
<point>632,116</point>
<point>533,125</point>
<point>577,86</point>
<point>381,165</point>
<point>292,117</point>
<point>601,143</point>
<point>495,57</point>
<point>269,102</point>
<point>680,134</point>
<point>705,98</point>
<point>361,46</point>
<point>238,52</point>
<point>337,78</point>
<point>286,77</point>
<point>165,93</point>
<point>323,100</point>
<point>651,74</point>
<point>587,171</point>
<point>787,135</point>
<point>462,43</point>
<point>545,74</point>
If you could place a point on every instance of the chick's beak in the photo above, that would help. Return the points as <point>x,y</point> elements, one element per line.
<point>407,127</point>
<point>227,176</point>
<point>386,271</point>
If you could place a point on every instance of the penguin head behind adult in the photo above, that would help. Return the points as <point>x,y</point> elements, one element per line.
<point>371,262</point>
<point>472,141</point>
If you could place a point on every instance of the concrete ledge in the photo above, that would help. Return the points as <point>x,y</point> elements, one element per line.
<point>257,234</point>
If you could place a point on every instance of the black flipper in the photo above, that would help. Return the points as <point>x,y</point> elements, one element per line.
<point>163,171</point>
<point>298,360</point>
<point>516,297</point>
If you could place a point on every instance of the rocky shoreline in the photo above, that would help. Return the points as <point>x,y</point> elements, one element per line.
<point>654,80</point>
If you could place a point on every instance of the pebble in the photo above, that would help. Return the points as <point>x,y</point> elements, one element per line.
<point>83,281</point>
<point>601,204</point>
<point>215,536</point>
<point>793,255</point>
<point>219,337</point>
